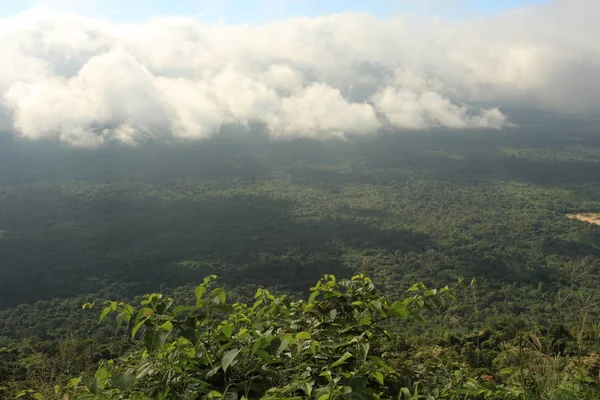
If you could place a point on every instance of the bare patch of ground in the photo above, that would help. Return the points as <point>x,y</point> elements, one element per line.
<point>592,218</point>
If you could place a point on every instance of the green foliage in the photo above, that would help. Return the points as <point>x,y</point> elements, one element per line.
<point>331,346</point>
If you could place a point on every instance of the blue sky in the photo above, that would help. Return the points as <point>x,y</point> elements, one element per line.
<point>258,11</point>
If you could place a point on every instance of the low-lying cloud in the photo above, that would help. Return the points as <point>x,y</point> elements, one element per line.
<point>88,81</point>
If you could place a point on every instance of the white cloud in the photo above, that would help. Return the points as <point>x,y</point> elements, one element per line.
<point>320,111</point>
<point>283,78</point>
<point>196,114</point>
<point>111,91</point>
<point>414,102</point>
<point>86,81</point>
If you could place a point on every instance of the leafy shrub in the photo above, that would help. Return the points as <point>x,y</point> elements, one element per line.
<point>331,346</point>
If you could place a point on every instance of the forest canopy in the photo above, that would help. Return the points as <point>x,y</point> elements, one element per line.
<point>115,223</point>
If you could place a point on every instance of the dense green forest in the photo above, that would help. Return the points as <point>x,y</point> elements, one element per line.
<point>84,226</point>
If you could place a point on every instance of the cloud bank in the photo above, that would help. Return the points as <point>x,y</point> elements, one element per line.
<point>87,81</point>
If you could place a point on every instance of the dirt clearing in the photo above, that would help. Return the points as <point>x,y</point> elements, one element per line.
<point>592,218</point>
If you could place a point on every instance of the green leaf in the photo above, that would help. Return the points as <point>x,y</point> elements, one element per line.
<point>226,308</point>
<point>123,317</point>
<point>378,377</point>
<point>137,327</point>
<point>399,310</point>
<point>322,394</point>
<point>104,313</point>
<point>199,291</point>
<point>257,345</point>
<point>167,326</point>
<point>74,382</point>
<point>416,287</point>
<point>257,303</point>
<point>364,350</point>
<point>228,358</point>
<point>262,354</point>
<point>308,387</point>
<point>378,361</point>
<point>152,298</point>
<point>417,316</point>
<point>153,339</point>
<point>227,330</point>
<point>377,305</point>
<point>283,346</point>
<point>303,335</point>
<point>181,308</point>
<point>219,296</point>
<point>342,359</point>
<point>212,372</point>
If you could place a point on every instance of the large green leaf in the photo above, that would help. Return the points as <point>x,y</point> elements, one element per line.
<point>342,359</point>
<point>123,317</point>
<point>104,313</point>
<point>257,345</point>
<point>378,361</point>
<point>400,310</point>
<point>302,336</point>
<point>199,291</point>
<point>167,326</point>
<point>262,354</point>
<point>378,377</point>
<point>228,358</point>
<point>227,330</point>
<point>213,371</point>
<point>137,327</point>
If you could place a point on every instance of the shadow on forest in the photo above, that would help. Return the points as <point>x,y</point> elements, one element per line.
<point>459,157</point>
<point>47,161</point>
<point>551,172</point>
<point>469,169</point>
<point>139,241</point>
<point>540,172</point>
<point>380,160</point>
<point>63,245</point>
<point>570,249</point>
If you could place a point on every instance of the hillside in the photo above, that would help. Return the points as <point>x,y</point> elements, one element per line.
<point>116,223</point>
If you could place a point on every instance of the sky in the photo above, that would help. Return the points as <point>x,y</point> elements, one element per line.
<point>92,72</point>
<point>261,11</point>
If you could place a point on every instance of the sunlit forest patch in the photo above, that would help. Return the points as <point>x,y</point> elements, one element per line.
<point>574,152</point>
